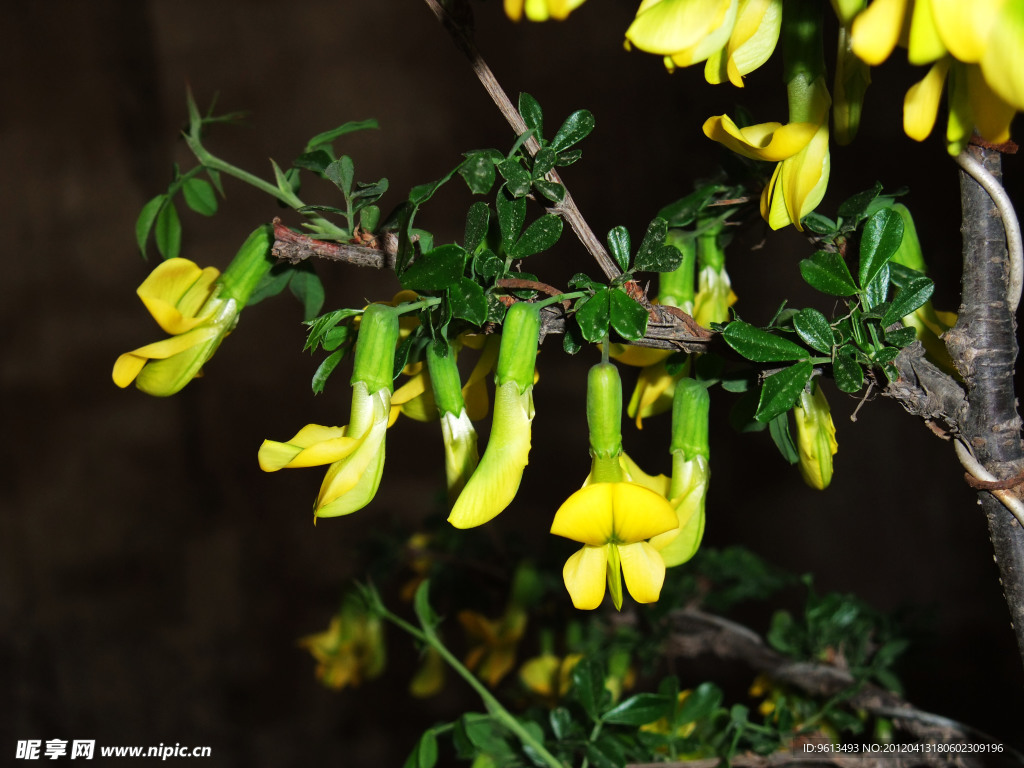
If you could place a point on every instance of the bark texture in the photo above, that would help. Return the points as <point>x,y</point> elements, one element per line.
<point>983,345</point>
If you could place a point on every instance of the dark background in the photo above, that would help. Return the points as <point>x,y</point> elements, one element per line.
<point>153,581</point>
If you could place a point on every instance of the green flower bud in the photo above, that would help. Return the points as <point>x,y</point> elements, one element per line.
<point>375,348</point>
<point>816,437</point>
<point>518,353</point>
<point>445,381</point>
<point>690,409</point>
<point>604,411</point>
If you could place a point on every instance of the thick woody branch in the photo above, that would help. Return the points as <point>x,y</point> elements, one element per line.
<point>983,345</point>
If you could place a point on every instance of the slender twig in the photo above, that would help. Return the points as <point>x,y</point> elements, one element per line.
<point>567,208</point>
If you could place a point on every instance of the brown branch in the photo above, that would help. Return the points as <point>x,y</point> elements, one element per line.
<point>695,633</point>
<point>294,247</point>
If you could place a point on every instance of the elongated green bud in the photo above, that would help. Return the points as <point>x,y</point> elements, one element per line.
<point>518,352</point>
<point>247,269</point>
<point>676,288</point>
<point>445,381</point>
<point>909,253</point>
<point>375,348</point>
<point>690,409</point>
<point>604,411</point>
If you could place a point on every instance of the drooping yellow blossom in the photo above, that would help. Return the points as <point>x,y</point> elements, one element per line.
<point>611,516</point>
<point>494,643</point>
<point>415,398</point>
<point>815,437</point>
<point>734,37</point>
<point>351,649</point>
<point>494,483</point>
<point>691,473</point>
<point>199,308</point>
<point>355,452</point>
<point>975,48</point>
<point>541,10</point>
<point>613,522</point>
<point>428,679</point>
<point>548,675</point>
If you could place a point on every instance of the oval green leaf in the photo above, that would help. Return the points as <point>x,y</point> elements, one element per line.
<point>436,269</point>
<point>780,390</point>
<point>468,301</point>
<point>759,345</point>
<point>147,216</point>
<point>879,240</point>
<point>619,245</point>
<point>912,295</point>
<point>593,315</point>
<point>814,330</point>
<point>575,128</point>
<point>168,231</point>
<point>827,272</point>
<point>199,196</point>
<point>539,236</point>
<point>532,115</point>
<point>847,372</point>
<point>627,317</point>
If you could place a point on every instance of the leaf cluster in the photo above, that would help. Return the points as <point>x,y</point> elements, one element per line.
<point>867,335</point>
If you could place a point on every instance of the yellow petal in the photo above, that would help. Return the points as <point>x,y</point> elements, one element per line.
<point>174,293</point>
<point>460,452</point>
<point>992,115</point>
<point>965,26</point>
<point>816,438</point>
<point>924,45</point>
<point>752,42</point>
<point>474,392</point>
<point>587,516</point>
<point>313,446</point>
<point>1003,60</point>
<point>537,10</point>
<point>639,357</point>
<point>713,42</point>
<point>921,104</point>
<point>652,394</point>
<point>764,141</point>
<point>668,26</point>
<point>639,513</point>
<point>497,477</point>
<point>657,483</point>
<point>584,577</point>
<point>876,31</point>
<point>352,482</point>
<point>514,9</point>
<point>643,569</point>
<point>799,183</point>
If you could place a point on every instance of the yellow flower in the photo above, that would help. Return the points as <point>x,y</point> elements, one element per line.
<point>734,37</point>
<point>714,296</point>
<point>496,479</point>
<point>198,307</point>
<point>815,437</point>
<point>613,521</point>
<point>541,10</point>
<point>800,149</point>
<point>429,678</point>
<point>475,389</point>
<point>975,46</point>
<point>355,452</point>
<point>495,642</point>
<point>350,650</point>
<point>415,398</point>
<point>548,675</point>
<point>181,297</point>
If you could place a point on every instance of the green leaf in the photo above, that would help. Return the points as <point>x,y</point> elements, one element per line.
<point>626,316</point>
<point>876,291</point>
<point>568,158</point>
<point>341,172</point>
<point>779,430</point>
<point>759,345</point>
<point>478,171</point>
<point>477,220</point>
<point>846,371</point>
<point>700,704</point>
<point>827,272</point>
<point>326,369</point>
<point>854,208</point>
<point>426,750</point>
<point>511,215</point>
<point>819,224</point>
<point>594,314</point>
<point>350,127</point>
<point>517,178</point>
<point>901,337</point>
<point>560,719</point>
<point>421,605</point>
<point>619,246</point>
<point>307,288</point>
<point>532,114</point>
<point>588,686</point>
<point>272,283</point>
<point>599,758</point>
<point>654,255</point>
<point>369,218</point>
<point>147,216</point>
<point>814,330</point>
<point>640,709</point>
<point>488,265</point>
<point>436,269</point>
<point>780,390</point>
<point>575,128</point>
<point>910,296</point>
<point>367,193</point>
<point>879,241</point>
<point>468,301</point>
<point>543,162</point>
<point>551,190</point>
<point>168,231</point>
<point>199,196</point>
<point>572,339</point>
<point>683,212</point>
<point>539,236</point>
<point>316,161</point>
